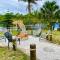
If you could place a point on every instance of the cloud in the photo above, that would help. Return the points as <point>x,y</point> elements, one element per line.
<point>13,6</point>
<point>21,7</point>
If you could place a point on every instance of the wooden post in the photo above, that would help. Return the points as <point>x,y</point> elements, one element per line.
<point>8,44</point>
<point>47,37</point>
<point>19,40</point>
<point>14,44</point>
<point>32,52</point>
<point>50,37</point>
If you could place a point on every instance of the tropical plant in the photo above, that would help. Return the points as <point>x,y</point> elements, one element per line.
<point>57,15</point>
<point>48,12</point>
<point>30,4</point>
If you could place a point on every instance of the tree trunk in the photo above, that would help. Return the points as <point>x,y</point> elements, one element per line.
<point>29,7</point>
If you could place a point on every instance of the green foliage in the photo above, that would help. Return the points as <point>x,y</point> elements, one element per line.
<point>14,32</point>
<point>48,10</point>
<point>7,22</point>
<point>47,14</point>
<point>18,16</point>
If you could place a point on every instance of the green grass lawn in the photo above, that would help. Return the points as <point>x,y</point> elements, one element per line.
<point>55,36</point>
<point>9,54</point>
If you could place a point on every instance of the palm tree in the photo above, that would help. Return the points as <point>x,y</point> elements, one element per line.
<point>29,4</point>
<point>57,15</point>
<point>48,11</point>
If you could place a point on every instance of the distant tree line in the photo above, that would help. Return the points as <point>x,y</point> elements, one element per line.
<point>47,14</point>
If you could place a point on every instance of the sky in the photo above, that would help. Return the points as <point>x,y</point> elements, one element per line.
<point>20,7</point>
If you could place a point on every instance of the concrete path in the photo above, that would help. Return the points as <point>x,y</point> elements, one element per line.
<point>44,49</point>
